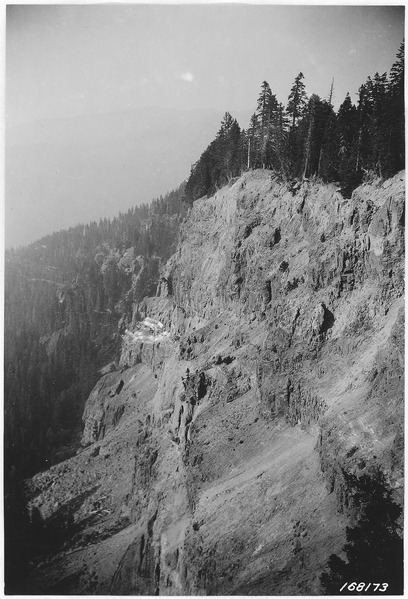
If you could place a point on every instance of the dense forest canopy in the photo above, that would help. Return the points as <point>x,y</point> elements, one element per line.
<point>307,138</point>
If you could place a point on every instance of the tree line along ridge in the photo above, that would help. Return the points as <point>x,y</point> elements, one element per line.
<point>307,138</point>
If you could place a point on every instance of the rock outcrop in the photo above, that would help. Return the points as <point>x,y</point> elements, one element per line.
<point>253,393</point>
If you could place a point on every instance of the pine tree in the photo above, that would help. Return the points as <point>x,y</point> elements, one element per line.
<point>362,145</point>
<point>199,181</point>
<point>221,161</point>
<point>311,133</point>
<point>268,131</point>
<point>266,103</point>
<point>228,149</point>
<point>396,114</point>
<point>347,126</point>
<point>252,142</point>
<point>380,126</point>
<point>331,93</point>
<point>297,99</point>
<point>329,158</point>
<point>279,142</point>
<point>298,133</point>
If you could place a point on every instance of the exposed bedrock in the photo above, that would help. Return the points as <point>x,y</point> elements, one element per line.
<point>254,394</point>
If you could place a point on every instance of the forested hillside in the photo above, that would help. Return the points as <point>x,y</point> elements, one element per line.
<point>307,138</point>
<point>67,300</point>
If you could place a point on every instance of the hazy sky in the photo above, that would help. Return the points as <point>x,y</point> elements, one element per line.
<point>67,60</point>
<point>73,64</point>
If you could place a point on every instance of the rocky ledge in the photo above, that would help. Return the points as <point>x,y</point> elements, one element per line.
<point>254,396</point>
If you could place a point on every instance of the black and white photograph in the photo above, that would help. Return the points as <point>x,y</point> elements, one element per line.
<point>204,299</point>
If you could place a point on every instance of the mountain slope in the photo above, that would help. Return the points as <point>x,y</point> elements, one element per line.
<point>256,395</point>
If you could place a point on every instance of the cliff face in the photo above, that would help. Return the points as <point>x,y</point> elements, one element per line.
<point>255,393</point>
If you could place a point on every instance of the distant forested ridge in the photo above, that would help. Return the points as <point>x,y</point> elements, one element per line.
<point>68,298</point>
<point>307,138</point>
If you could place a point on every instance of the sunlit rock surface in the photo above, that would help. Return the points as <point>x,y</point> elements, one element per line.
<point>223,454</point>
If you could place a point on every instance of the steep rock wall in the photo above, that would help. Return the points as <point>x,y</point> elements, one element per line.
<point>275,384</point>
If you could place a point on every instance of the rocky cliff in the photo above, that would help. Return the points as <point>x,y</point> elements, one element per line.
<point>255,393</point>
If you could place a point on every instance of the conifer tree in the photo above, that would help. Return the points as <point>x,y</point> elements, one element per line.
<point>329,158</point>
<point>380,125</point>
<point>252,144</point>
<point>266,104</point>
<point>331,93</point>
<point>221,161</point>
<point>362,143</point>
<point>311,132</point>
<point>297,99</point>
<point>347,124</point>
<point>269,128</point>
<point>279,142</point>
<point>228,149</point>
<point>396,114</point>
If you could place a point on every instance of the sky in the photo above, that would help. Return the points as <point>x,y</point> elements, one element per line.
<point>64,60</point>
<point>75,61</point>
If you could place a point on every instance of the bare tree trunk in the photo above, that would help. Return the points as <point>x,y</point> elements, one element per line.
<point>358,150</point>
<point>308,145</point>
<point>319,162</point>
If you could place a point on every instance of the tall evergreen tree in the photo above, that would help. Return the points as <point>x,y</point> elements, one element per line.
<point>199,181</point>
<point>396,112</point>
<point>269,127</point>
<point>252,142</point>
<point>297,112</point>
<point>221,161</point>
<point>331,93</point>
<point>380,131</point>
<point>363,138</point>
<point>279,142</point>
<point>266,105</point>
<point>347,125</point>
<point>329,158</point>
<point>309,147</point>
<point>297,99</point>
<point>312,129</point>
<point>229,149</point>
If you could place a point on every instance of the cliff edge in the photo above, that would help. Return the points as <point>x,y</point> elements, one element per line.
<point>257,395</point>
